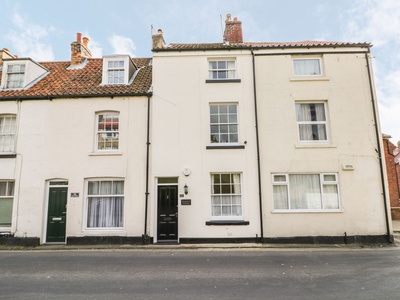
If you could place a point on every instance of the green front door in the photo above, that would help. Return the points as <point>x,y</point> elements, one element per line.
<point>57,214</point>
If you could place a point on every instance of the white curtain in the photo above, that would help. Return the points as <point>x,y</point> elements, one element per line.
<point>306,115</point>
<point>105,210</point>
<point>305,192</point>
<point>331,196</point>
<point>280,197</point>
<point>306,67</point>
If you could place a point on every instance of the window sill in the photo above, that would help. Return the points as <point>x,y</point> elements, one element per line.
<point>309,78</point>
<point>224,223</point>
<point>222,80</point>
<point>225,147</point>
<point>8,155</point>
<point>103,229</point>
<point>106,153</point>
<point>312,146</point>
<point>307,211</point>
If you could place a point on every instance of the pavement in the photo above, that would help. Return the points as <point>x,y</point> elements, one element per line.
<point>219,246</point>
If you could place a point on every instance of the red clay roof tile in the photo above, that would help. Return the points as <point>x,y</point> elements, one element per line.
<point>82,82</point>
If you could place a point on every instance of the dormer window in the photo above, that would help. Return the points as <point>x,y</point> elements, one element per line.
<point>20,73</point>
<point>116,72</point>
<point>118,69</point>
<point>15,76</point>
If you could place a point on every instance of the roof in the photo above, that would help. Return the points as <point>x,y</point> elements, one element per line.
<point>85,81</point>
<point>259,45</point>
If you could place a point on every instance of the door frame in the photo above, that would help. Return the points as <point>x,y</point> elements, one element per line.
<point>46,206</point>
<point>175,184</point>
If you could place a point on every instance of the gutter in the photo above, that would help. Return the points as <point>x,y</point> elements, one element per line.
<point>378,139</point>
<point>51,97</point>
<point>258,146</point>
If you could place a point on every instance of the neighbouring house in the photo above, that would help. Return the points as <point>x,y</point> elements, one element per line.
<point>392,158</point>
<point>73,147</point>
<point>209,142</point>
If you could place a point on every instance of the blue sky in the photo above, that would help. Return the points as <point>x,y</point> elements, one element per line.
<point>44,29</point>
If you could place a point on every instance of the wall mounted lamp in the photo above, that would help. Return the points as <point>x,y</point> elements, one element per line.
<point>186,189</point>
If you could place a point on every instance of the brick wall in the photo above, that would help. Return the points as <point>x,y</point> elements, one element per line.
<point>392,175</point>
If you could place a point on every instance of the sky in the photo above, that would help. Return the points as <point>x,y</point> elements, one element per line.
<point>44,30</point>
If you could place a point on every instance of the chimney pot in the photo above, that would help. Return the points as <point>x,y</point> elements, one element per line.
<point>86,42</point>
<point>79,37</point>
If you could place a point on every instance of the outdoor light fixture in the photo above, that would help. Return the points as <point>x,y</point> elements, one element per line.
<point>186,189</point>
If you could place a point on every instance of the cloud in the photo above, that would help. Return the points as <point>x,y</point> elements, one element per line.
<point>28,39</point>
<point>378,22</point>
<point>122,45</point>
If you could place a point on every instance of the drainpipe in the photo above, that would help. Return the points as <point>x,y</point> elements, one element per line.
<point>378,137</point>
<point>145,237</point>
<point>258,146</point>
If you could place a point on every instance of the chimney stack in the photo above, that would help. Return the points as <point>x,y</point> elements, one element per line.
<point>5,53</point>
<point>79,50</point>
<point>158,39</point>
<point>233,30</point>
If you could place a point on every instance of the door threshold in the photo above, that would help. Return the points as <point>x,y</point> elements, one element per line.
<point>168,242</point>
<point>54,243</point>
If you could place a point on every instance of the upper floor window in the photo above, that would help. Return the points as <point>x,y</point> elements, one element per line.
<point>105,203</point>
<point>224,123</point>
<point>305,191</point>
<point>226,196</point>
<point>107,131</point>
<point>307,67</point>
<point>15,75</point>
<point>222,69</point>
<point>118,69</point>
<point>6,202</point>
<point>116,72</point>
<point>7,133</point>
<point>311,121</point>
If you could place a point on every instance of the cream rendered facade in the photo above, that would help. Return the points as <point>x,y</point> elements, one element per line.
<point>181,139</point>
<point>55,142</point>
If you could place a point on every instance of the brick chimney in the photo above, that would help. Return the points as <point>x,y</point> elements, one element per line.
<point>79,50</point>
<point>158,39</point>
<point>5,53</point>
<point>233,30</point>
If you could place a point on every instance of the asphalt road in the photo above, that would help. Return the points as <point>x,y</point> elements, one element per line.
<point>201,274</point>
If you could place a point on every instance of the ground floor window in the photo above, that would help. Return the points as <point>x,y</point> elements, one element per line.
<point>6,202</point>
<point>305,191</point>
<point>105,204</point>
<point>226,196</point>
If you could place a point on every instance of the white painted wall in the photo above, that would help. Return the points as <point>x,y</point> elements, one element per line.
<point>56,141</point>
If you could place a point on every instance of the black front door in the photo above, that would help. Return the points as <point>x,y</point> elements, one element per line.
<point>57,214</point>
<point>167,220</point>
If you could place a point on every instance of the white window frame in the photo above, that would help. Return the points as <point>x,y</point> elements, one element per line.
<point>91,196</point>
<point>9,194</point>
<point>221,124</point>
<point>219,70</point>
<point>117,66</point>
<point>313,123</point>
<point>20,74</point>
<point>322,183</point>
<point>104,133</point>
<point>231,195</point>
<point>305,74</point>
<point>11,134</point>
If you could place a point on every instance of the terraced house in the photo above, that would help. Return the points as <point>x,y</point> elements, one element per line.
<point>214,142</point>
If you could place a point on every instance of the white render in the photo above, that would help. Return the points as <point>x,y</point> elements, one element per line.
<point>55,141</point>
<point>181,133</point>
